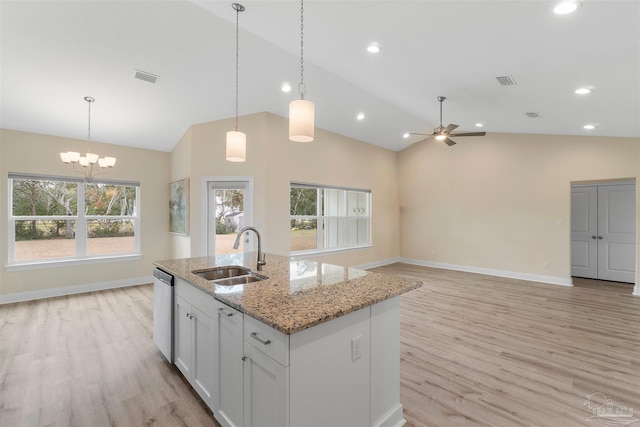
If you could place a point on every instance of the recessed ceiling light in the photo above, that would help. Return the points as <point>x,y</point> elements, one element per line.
<point>479,125</point>
<point>373,48</point>
<point>286,87</point>
<point>360,116</point>
<point>406,135</point>
<point>583,91</point>
<point>568,6</point>
<point>589,127</point>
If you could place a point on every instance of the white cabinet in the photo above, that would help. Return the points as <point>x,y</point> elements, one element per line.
<point>194,339</point>
<point>266,390</point>
<point>228,367</point>
<point>266,375</point>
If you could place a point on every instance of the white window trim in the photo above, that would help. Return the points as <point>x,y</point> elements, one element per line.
<point>320,220</point>
<point>80,219</point>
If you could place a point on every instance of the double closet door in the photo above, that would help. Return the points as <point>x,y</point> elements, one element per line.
<point>603,231</point>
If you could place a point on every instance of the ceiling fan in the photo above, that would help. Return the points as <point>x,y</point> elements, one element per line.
<point>442,133</point>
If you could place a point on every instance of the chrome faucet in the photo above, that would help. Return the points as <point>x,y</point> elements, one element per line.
<point>261,260</point>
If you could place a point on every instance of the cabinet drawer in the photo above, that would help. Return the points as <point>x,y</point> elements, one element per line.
<point>268,340</point>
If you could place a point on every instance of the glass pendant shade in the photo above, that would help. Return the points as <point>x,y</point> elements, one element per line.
<point>301,120</point>
<point>441,137</point>
<point>236,146</point>
<point>92,158</point>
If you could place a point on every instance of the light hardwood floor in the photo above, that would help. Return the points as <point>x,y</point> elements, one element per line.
<point>475,350</point>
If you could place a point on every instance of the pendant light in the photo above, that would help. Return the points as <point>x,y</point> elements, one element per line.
<point>236,140</point>
<point>301,111</point>
<point>84,164</point>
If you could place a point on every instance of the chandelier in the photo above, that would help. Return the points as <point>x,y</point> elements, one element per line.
<point>86,164</point>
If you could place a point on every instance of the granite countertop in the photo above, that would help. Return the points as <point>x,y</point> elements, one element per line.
<point>298,294</point>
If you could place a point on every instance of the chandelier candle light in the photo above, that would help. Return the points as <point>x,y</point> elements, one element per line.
<point>236,140</point>
<point>301,111</point>
<point>73,159</point>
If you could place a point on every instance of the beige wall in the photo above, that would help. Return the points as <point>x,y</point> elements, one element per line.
<point>39,154</point>
<point>502,202</point>
<point>274,162</point>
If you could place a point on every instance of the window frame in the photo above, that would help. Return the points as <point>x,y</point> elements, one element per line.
<point>322,219</point>
<point>81,225</point>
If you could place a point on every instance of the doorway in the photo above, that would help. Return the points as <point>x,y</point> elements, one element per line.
<point>229,208</point>
<point>603,230</point>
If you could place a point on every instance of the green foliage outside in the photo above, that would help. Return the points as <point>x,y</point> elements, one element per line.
<point>222,228</point>
<point>303,201</point>
<point>59,198</point>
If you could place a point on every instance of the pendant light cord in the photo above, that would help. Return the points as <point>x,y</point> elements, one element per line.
<point>239,8</point>
<point>302,87</point>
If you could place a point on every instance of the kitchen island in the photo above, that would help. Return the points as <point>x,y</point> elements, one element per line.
<point>312,344</point>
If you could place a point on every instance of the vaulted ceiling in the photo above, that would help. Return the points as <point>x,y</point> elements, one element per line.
<point>54,53</point>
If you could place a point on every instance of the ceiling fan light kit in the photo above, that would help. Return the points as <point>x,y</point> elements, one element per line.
<point>442,133</point>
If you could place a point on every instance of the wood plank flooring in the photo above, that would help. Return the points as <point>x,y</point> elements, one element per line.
<point>475,350</point>
<point>482,350</point>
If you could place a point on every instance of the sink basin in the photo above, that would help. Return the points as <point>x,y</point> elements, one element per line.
<point>231,275</point>
<point>222,272</point>
<point>239,280</point>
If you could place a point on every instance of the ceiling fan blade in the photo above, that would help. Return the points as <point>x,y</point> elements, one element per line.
<point>449,142</point>
<point>469,134</point>
<point>421,134</point>
<point>449,128</point>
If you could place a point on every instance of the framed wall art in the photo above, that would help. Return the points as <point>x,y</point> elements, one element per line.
<point>179,207</point>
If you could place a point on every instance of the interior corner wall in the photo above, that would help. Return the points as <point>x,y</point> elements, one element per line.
<point>180,168</point>
<point>502,202</point>
<point>23,152</point>
<point>274,162</point>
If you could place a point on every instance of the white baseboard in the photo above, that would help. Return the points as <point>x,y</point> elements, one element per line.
<point>70,290</point>
<point>377,263</point>
<point>553,280</point>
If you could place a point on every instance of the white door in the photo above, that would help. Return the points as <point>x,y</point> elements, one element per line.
<point>584,231</point>
<point>617,233</point>
<point>603,232</point>
<point>230,208</point>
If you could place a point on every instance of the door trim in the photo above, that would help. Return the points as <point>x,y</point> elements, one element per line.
<point>204,208</point>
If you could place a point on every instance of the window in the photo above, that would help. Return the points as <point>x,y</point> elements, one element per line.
<point>54,218</point>
<point>324,218</point>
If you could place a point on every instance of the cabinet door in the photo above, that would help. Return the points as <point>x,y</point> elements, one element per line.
<point>204,355</point>
<point>228,396</point>
<point>266,390</point>
<point>182,336</point>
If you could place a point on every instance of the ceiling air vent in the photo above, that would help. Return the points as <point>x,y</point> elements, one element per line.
<point>533,115</point>
<point>147,77</point>
<point>506,80</point>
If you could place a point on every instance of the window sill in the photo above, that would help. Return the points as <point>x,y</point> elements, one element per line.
<point>317,252</point>
<point>42,264</point>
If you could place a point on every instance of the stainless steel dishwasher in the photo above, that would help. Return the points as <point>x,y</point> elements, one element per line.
<point>163,312</point>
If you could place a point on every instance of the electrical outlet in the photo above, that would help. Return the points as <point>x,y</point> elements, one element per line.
<point>355,348</point>
<point>546,265</point>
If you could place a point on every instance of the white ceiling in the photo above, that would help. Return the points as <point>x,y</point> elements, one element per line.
<point>53,53</point>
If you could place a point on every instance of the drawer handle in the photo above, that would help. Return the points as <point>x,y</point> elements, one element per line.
<point>223,311</point>
<point>260,340</point>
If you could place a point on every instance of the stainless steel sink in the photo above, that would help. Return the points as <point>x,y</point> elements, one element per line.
<point>222,272</point>
<point>231,275</point>
<point>240,280</point>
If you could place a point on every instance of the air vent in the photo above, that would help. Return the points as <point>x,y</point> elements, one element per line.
<point>533,115</point>
<point>506,80</point>
<point>147,77</point>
